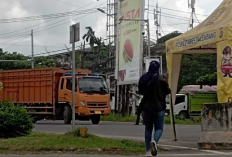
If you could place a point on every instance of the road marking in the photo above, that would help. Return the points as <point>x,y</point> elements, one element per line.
<point>208,151</point>
<point>170,146</point>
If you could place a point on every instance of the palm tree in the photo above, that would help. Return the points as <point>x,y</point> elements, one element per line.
<point>95,43</point>
<point>91,39</point>
<point>90,36</point>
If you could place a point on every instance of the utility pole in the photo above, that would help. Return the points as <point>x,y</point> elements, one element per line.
<point>192,5</point>
<point>32,51</point>
<point>117,43</point>
<point>156,19</point>
<point>74,37</point>
<point>73,81</point>
<point>149,40</point>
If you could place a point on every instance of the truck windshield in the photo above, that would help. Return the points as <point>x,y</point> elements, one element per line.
<point>93,86</point>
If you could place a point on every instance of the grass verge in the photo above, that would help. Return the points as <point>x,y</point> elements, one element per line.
<point>39,143</point>
<point>167,120</point>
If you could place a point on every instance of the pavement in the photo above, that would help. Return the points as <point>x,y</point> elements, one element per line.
<point>186,146</point>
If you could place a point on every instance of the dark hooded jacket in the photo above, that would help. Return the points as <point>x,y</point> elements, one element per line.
<point>156,91</point>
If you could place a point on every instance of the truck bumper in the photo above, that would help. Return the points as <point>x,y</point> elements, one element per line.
<point>84,111</point>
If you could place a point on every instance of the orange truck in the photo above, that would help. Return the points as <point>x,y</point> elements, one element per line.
<point>47,93</point>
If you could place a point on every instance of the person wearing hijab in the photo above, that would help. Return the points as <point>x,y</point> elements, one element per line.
<point>154,89</point>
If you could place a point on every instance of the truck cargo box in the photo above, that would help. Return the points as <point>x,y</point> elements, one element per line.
<point>31,87</point>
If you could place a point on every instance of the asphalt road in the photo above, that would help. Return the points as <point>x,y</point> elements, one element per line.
<point>187,135</point>
<point>186,146</point>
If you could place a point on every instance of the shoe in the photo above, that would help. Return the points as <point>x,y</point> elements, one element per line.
<point>154,150</point>
<point>148,154</point>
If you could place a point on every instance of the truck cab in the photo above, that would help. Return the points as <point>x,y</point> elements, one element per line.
<point>180,107</point>
<point>92,97</point>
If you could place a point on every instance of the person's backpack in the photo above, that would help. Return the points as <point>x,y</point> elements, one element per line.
<point>142,85</point>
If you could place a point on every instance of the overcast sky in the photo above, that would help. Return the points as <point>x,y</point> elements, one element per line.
<point>55,38</point>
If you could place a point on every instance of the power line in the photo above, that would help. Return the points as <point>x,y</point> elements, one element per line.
<point>197,18</point>
<point>173,24</point>
<point>43,22</point>
<point>17,42</point>
<point>56,26</point>
<point>62,23</point>
<point>172,15</point>
<point>30,45</point>
<point>162,30</point>
<point>49,16</point>
<point>67,22</point>
<point>20,35</point>
<point>175,18</point>
<point>56,51</point>
<point>69,3</point>
<point>176,10</point>
<point>15,39</point>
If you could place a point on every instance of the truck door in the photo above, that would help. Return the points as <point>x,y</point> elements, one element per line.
<point>61,89</point>
<point>180,105</point>
<point>68,89</point>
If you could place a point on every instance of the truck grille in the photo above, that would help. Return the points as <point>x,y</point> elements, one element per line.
<point>97,104</point>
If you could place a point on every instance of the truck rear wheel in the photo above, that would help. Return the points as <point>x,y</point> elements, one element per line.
<point>96,119</point>
<point>67,115</point>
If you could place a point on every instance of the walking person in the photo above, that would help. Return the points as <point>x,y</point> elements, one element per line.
<point>154,89</point>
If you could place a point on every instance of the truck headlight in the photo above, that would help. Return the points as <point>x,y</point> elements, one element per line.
<point>82,103</point>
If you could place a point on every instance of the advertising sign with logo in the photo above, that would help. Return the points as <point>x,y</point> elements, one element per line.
<point>131,45</point>
<point>224,72</point>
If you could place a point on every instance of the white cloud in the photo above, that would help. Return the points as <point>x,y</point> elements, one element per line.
<point>58,36</point>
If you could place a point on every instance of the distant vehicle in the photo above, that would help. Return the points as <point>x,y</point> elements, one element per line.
<point>188,102</point>
<point>47,93</point>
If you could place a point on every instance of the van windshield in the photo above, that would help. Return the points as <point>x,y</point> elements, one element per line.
<point>93,86</point>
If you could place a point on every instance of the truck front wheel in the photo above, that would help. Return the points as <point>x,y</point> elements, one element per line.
<point>182,115</point>
<point>67,114</point>
<point>96,119</point>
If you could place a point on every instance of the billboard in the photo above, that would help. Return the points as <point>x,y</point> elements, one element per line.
<point>131,41</point>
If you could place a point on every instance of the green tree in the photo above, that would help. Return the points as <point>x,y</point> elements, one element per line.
<point>13,65</point>
<point>97,45</point>
<point>43,62</point>
<point>40,62</point>
<point>195,68</point>
<point>168,36</point>
<point>91,39</point>
<point>208,79</point>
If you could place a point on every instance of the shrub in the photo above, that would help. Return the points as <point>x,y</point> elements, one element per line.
<point>14,121</point>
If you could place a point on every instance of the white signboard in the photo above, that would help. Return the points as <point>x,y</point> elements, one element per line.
<point>75,33</point>
<point>131,41</point>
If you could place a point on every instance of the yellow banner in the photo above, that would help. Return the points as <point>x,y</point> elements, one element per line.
<point>224,71</point>
<point>189,42</point>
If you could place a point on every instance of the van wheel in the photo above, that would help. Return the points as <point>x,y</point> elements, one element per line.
<point>182,115</point>
<point>67,115</point>
<point>96,119</point>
